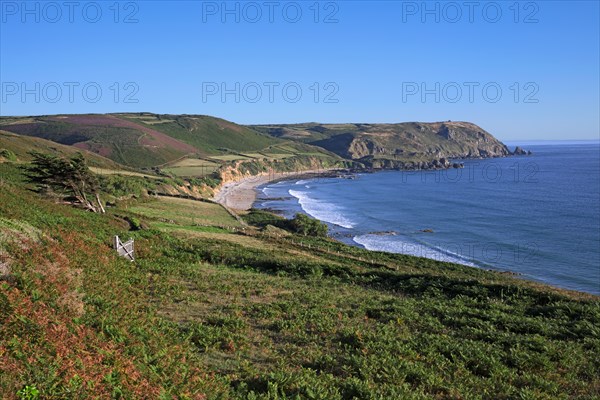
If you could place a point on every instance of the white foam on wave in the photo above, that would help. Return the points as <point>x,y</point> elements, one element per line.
<point>397,245</point>
<point>302,182</point>
<point>322,210</point>
<point>269,192</point>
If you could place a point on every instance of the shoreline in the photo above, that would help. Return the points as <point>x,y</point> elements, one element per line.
<point>240,195</point>
<point>243,193</point>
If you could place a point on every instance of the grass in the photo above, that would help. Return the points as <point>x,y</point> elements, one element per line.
<point>22,145</point>
<point>198,171</point>
<point>211,135</point>
<point>147,119</point>
<point>254,155</point>
<point>273,156</point>
<point>184,212</point>
<point>231,157</point>
<point>279,156</point>
<point>140,141</point>
<point>192,162</point>
<point>117,143</point>
<point>209,312</point>
<point>105,171</point>
<point>192,167</point>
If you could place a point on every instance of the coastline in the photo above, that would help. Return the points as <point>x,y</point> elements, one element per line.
<point>240,195</point>
<point>489,249</point>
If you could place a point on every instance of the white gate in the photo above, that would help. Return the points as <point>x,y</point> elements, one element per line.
<point>124,249</point>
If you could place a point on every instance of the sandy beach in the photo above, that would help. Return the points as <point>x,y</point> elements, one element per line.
<point>240,195</point>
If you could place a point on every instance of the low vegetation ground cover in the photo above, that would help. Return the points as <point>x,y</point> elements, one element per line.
<point>213,309</point>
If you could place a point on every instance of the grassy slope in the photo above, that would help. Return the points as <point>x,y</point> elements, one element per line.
<point>119,140</point>
<point>22,145</point>
<point>208,134</point>
<point>213,307</point>
<point>223,141</point>
<point>143,140</point>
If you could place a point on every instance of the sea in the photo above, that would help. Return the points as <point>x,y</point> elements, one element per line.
<point>537,215</point>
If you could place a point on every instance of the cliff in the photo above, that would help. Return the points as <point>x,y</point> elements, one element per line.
<point>411,144</point>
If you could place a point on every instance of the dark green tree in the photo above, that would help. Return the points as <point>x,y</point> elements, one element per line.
<point>66,177</point>
<point>307,226</point>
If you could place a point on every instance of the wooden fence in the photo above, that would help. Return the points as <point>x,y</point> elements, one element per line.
<point>124,249</point>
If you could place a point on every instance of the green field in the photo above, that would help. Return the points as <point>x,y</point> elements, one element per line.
<point>106,171</point>
<point>274,156</point>
<point>192,171</point>
<point>192,167</point>
<point>281,156</point>
<point>254,155</point>
<point>192,162</point>
<point>184,212</point>
<point>230,157</point>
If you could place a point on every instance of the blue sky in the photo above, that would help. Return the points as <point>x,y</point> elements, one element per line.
<point>529,71</point>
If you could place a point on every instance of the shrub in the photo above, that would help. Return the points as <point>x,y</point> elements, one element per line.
<point>28,393</point>
<point>7,154</point>
<point>261,219</point>
<point>120,186</point>
<point>307,226</point>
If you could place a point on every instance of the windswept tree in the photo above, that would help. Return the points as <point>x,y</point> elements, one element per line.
<point>66,177</point>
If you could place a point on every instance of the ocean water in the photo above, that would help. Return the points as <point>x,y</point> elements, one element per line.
<point>536,215</point>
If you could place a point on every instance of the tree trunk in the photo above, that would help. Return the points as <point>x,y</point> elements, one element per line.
<point>80,195</point>
<point>102,210</point>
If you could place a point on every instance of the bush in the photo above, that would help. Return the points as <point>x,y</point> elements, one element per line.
<point>134,223</point>
<point>307,226</point>
<point>211,181</point>
<point>121,186</point>
<point>261,219</point>
<point>7,154</point>
<point>301,224</point>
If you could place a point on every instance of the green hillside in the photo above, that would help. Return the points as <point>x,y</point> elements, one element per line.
<point>177,142</point>
<point>20,146</point>
<point>144,140</point>
<point>120,140</point>
<point>209,135</point>
<point>215,307</point>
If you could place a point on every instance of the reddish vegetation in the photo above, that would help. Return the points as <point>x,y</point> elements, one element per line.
<point>156,139</point>
<point>228,125</point>
<point>83,146</point>
<point>70,324</point>
<point>76,351</point>
<point>22,129</point>
<point>83,127</point>
<point>104,151</point>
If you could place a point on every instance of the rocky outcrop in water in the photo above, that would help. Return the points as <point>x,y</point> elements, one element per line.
<point>521,152</point>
